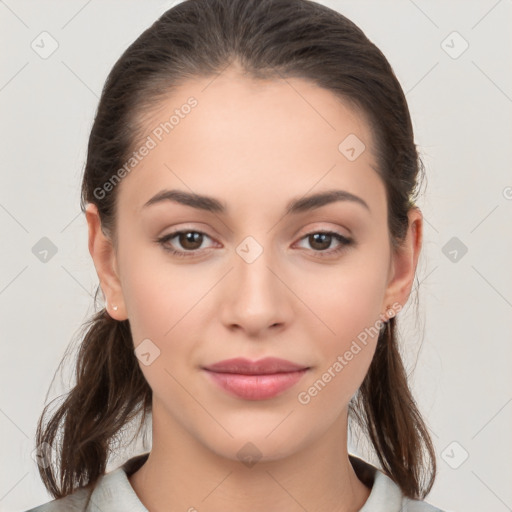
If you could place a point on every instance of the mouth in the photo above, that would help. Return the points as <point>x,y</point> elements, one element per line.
<point>258,380</point>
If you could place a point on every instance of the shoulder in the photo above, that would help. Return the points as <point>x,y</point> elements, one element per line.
<point>74,502</point>
<point>385,494</point>
<point>112,491</point>
<point>409,505</point>
<point>387,491</point>
<point>419,506</point>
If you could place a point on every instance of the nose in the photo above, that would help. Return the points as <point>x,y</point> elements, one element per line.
<point>257,297</point>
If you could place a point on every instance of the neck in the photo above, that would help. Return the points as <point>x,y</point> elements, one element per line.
<point>182,474</point>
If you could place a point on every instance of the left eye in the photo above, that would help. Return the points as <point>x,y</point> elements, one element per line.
<point>191,241</point>
<point>322,240</point>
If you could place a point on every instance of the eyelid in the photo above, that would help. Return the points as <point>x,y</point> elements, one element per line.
<point>319,227</point>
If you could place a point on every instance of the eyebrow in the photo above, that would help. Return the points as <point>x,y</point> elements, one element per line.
<point>295,206</point>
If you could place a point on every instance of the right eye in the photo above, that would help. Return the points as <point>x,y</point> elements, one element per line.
<point>190,239</point>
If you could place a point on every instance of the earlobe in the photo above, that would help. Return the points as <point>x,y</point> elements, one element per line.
<point>405,260</point>
<point>103,254</point>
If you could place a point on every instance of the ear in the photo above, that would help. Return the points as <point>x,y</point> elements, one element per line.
<point>103,254</point>
<point>404,261</point>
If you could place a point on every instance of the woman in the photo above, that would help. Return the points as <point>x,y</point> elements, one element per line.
<point>249,193</point>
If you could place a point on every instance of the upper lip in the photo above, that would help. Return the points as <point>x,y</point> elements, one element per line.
<point>264,366</point>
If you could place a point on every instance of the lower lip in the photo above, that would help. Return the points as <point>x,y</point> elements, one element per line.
<point>256,387</point>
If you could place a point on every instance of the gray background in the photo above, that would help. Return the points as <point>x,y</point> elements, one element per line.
<point>458,347</point>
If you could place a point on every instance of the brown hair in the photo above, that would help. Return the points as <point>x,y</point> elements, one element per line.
<point>268,39</point>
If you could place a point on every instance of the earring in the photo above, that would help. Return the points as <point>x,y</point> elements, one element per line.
<point>388,308</point>
<point>113,307</point>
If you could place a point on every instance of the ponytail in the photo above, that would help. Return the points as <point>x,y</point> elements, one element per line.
<point>110,391</point>
<point>385,409</point>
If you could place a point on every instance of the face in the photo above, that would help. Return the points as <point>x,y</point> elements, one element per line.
<point>250,279</point>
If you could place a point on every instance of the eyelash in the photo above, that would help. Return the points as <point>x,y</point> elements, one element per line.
<point>344,241</point>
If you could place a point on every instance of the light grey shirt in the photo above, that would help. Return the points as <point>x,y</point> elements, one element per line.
<point>114,493</point>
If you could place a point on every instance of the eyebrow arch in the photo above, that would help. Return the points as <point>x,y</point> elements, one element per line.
<point>297,205</point>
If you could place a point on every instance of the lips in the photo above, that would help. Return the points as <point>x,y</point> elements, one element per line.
<point>261,367</point>
<point>255,380</point>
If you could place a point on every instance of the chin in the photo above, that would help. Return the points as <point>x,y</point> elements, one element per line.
<point>257,445</point>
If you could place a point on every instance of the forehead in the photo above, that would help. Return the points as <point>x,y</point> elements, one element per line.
<point>253,139</point>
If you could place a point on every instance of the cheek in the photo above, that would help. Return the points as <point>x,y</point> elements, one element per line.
<point>343,358</point>
<point>159,294</point>
<point>165,303</point>
<point>161,301</point>
<point>346,299</point>
<point>345,329</point>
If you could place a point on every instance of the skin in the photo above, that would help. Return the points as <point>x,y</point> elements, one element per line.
<point>254,145</point>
